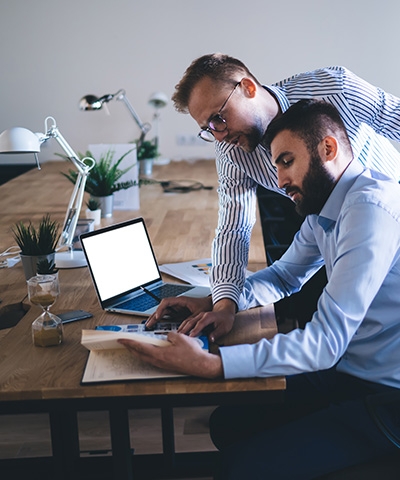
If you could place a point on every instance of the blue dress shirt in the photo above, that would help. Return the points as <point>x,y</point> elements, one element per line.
<point>357,323</point>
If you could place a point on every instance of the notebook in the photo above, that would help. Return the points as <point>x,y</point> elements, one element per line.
<point>122,262</point>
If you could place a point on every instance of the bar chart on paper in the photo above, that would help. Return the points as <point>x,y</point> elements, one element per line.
<point>196,272</point>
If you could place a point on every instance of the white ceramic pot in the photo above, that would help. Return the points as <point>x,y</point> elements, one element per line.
<point>94,215</point>
<point>106,205</point>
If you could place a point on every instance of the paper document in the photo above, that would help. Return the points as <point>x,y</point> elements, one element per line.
<point>196,272</point>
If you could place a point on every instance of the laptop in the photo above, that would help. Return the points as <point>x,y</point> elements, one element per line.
<point>125,271</point>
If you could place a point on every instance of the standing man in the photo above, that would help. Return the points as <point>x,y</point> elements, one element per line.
<point>350,349</point>
<point>232,107</point>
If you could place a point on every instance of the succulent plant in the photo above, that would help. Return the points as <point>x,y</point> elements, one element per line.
<point>93,204</point>
<point>41,240</point>
<point>45,266</point>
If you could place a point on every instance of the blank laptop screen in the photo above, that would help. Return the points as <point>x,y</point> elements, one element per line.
<point>121,259</point>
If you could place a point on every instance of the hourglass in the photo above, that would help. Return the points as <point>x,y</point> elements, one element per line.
<point>47,330</point>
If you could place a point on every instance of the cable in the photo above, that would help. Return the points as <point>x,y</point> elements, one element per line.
<point>175,186</point>
<point>10,262</point>
<point>183,186</point>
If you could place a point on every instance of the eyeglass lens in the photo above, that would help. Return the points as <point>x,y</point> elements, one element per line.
<point>216,123</point>
<point>206,135</point>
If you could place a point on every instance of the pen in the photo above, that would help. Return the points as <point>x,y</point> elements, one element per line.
<point>148,292</point>
<point>151,294</point>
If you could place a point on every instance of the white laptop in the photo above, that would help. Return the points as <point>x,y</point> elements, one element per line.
<point>125,272</point>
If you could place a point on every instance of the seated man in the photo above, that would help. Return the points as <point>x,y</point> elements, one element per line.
<point>350,349</point>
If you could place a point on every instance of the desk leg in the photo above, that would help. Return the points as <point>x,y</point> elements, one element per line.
<point>168,437</point>
<point>65,443</point>
<point>121,444</point>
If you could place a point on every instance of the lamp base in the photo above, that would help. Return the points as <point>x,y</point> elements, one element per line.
<point>70,259</point>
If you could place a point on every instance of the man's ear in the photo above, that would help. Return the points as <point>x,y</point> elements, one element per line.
<point>328,148</point>
<point>248,86</point>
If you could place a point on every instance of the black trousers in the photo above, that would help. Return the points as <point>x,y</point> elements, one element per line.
<point>322,426</point>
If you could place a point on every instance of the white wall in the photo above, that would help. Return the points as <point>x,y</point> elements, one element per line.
<point>54,51</point>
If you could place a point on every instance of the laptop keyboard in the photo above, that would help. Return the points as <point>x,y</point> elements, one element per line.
<point>144,302</point>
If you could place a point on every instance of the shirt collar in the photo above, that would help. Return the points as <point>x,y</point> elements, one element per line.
<point>279,95</point>
<point>330,211</point>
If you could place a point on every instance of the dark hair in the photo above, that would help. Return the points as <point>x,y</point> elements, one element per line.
<point>312,120</point>
<point>221,68</point>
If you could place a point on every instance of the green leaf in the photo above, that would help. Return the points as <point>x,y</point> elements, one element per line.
<point>103,177</point>
<point>147,149</point>
<point>37,241</point>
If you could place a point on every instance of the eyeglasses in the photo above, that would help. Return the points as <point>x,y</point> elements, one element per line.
<point>216,123</point>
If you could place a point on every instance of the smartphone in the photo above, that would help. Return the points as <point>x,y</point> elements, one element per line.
<point>74,315</point>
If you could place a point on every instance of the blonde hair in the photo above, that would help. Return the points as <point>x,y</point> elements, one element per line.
<point>221,68</point>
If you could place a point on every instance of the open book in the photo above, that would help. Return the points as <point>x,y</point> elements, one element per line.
<point>110,361</point>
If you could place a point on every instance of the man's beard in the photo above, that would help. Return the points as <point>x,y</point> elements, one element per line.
<point>254,137</point>
<point>318,184</point>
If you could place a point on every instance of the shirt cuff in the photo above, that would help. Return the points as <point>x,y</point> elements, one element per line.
<point>238,361</point>
<point>222,291</point>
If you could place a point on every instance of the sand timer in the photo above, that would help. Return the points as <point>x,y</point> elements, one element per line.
<point>47,329</point>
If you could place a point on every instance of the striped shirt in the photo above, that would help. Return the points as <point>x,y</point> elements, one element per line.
<point>372,119</point>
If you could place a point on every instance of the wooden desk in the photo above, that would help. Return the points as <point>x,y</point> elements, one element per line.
<point>34,379</point>
<point>184,220</point>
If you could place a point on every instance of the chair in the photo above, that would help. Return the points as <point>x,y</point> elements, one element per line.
<point>279,223</point>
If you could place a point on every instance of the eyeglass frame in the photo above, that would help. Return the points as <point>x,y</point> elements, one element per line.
<point>210,129</point>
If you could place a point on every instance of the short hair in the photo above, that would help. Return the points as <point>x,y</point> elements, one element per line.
<point>312,120</point>
<point>221,68</point>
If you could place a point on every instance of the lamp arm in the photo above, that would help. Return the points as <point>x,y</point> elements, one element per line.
<point>144,127</point>
<point>73,211</point>
<point>76,200</point>
<point>54,132</point>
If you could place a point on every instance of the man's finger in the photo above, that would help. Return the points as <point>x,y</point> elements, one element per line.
<point>138,347</point>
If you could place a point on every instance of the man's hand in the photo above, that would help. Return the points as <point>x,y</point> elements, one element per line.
<point>185,356</point>
<point>216,323</point>
<point>179,308</point>
<point>201,315</point>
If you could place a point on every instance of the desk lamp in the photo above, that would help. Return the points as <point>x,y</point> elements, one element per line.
<point>91,102</point>
<point>22,140</point>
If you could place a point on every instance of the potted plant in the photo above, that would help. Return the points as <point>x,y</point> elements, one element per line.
<point>46,266</point>
<point>93,210</point>
<point>103,179</point>
<point>147,152</point>
<point>37,244</point>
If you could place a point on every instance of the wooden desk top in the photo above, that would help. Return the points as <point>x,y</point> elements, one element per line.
<point>181,227</point>
<point>184,220</point>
